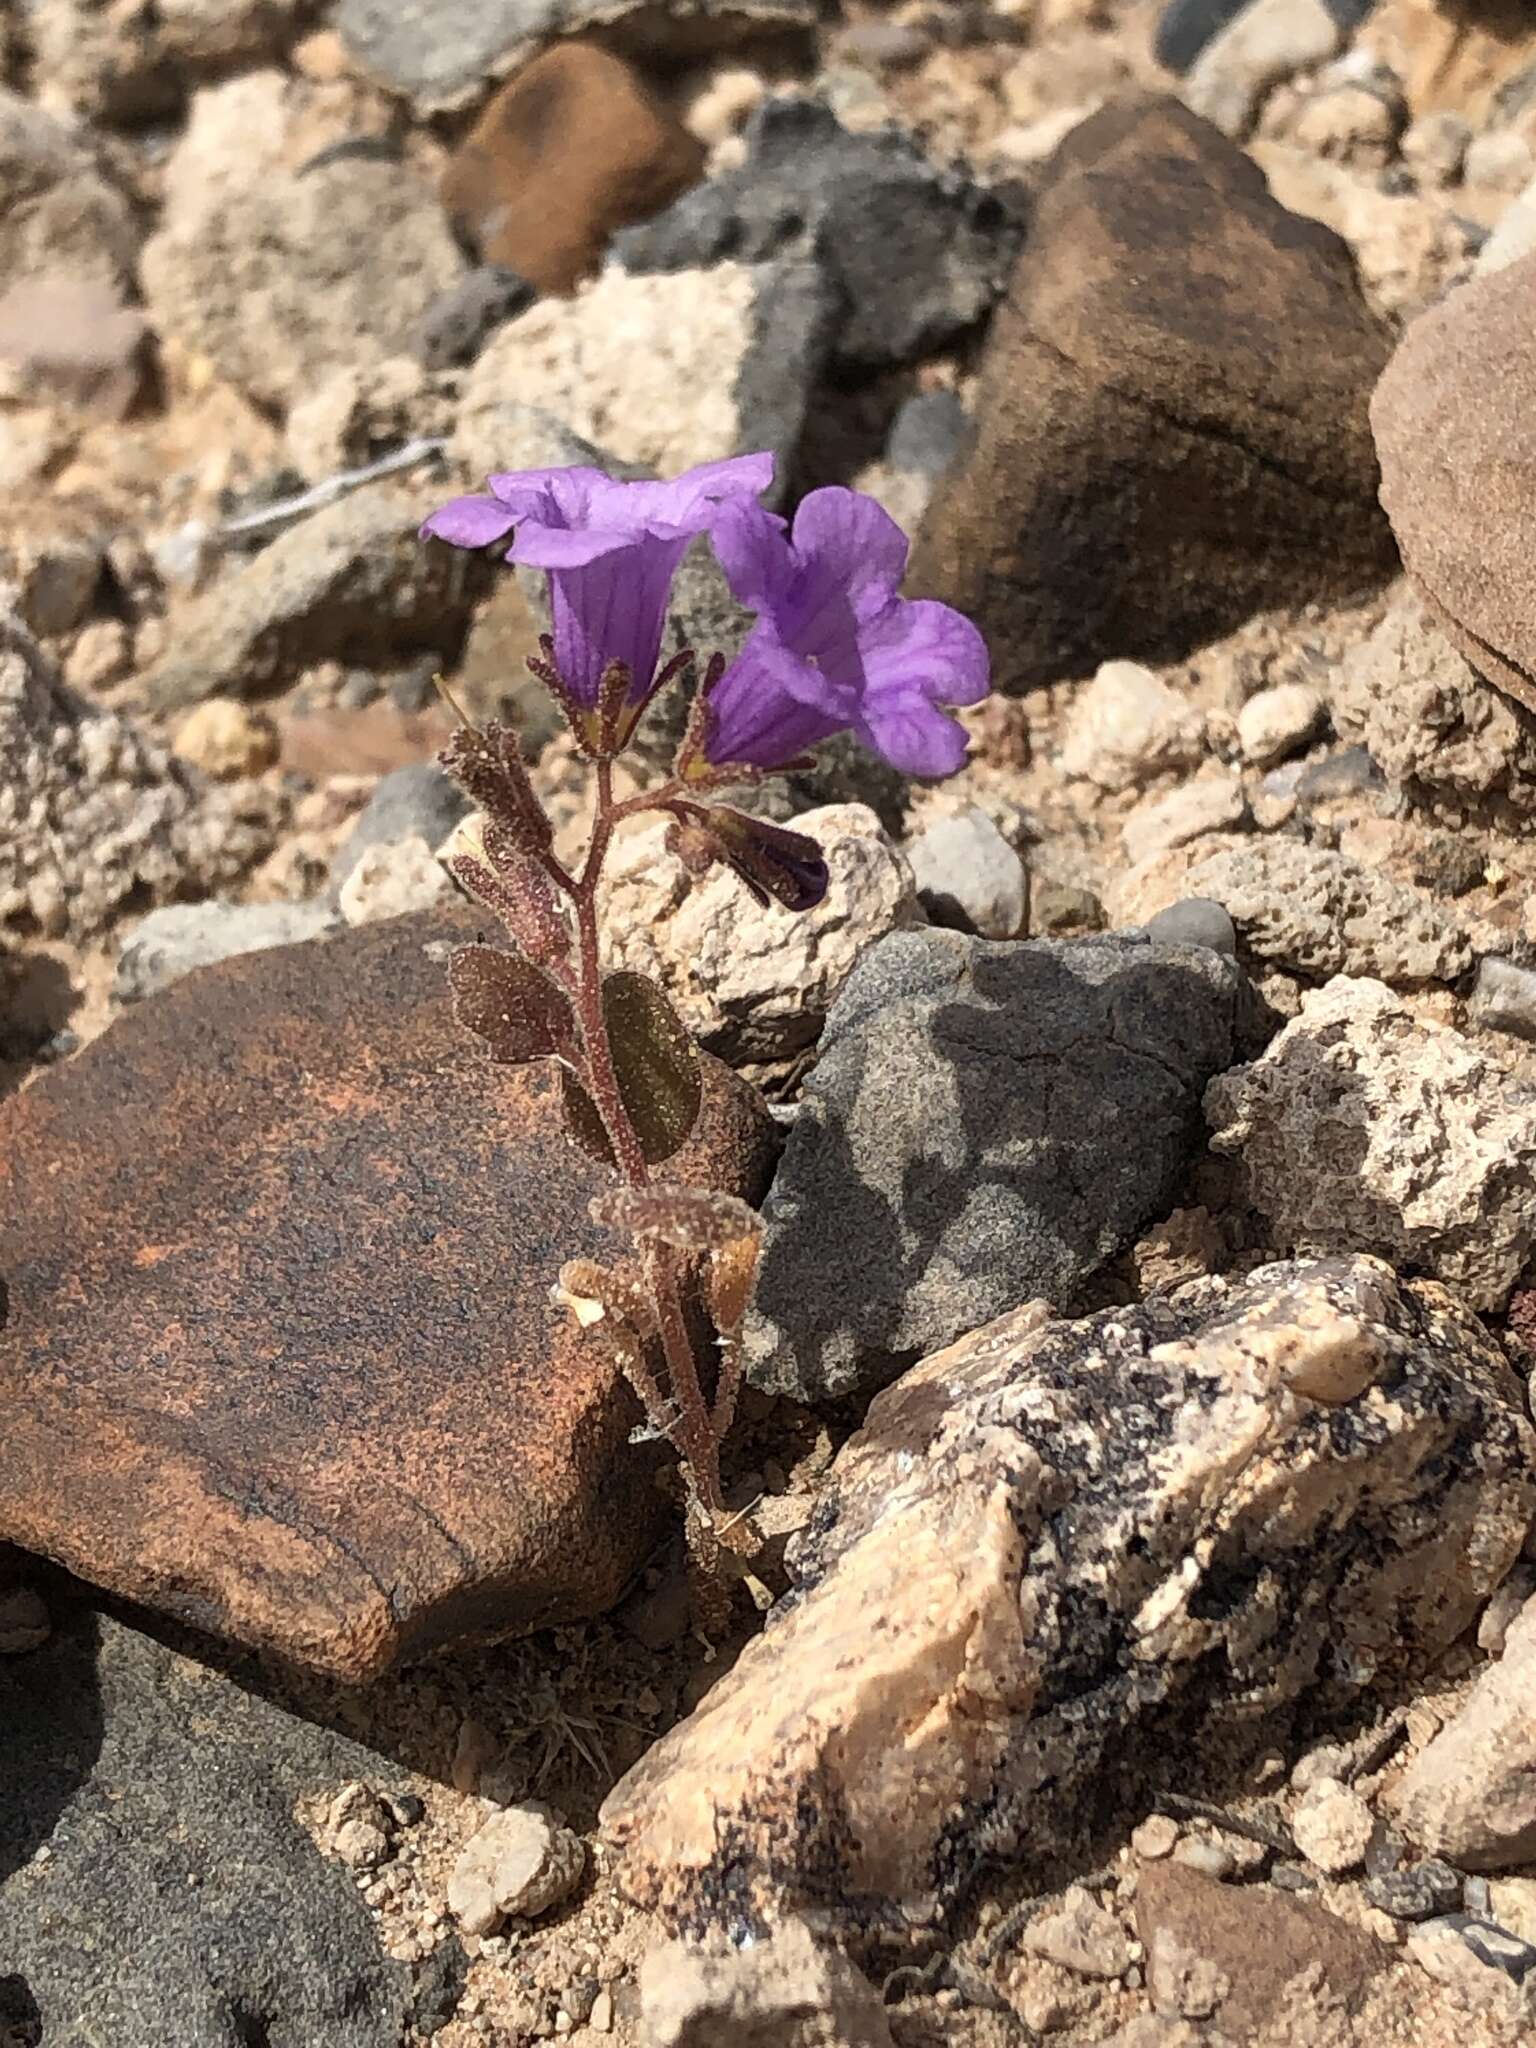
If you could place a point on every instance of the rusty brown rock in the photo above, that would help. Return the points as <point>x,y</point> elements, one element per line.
<point>1458,477</point>
<point>575,146</point>
<point>1171,428</point>
<point>278,1356</point>
<point>1229,1954</point>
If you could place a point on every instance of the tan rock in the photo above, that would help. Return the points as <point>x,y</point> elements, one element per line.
<point>1278,721</point>
<point>516,1865</point>
<point>1210,802</point>
<point>1127,726</point>
<point>1080,1935</point>
<point>1365,1129</point>
<point>59,215</point>
<point>1010,1512</point>
<point>392,881</point>
<point>226,739</point>
<point>1333,1827</point>
<point>1265,42</point>
<point>575,146</point>
<point>785,1992</point>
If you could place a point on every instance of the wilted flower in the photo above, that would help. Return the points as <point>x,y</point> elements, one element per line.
<point>835,649</point>
<point>611,550</point>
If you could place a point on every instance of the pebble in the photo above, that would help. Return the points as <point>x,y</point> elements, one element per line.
<point>968,876</point>
<point>1512,1903</point>
<point>226,739</point>
<point>1418,1893</point>
<point>415,802</point>
<point>1126,726</point>
<point>1434,147</point>
<point>1504,998</point>
<point>1155,1838</point>
<point>1198,921</point>
<point>1265,43</point>
<point>601,2019</point>
<point>1080,1935</point>
<point>171,942</point>
<point>1278,721</point>
<point>392,881</point>
<point>517,1865</point>
<point>459,321</point>
<point>1199,1852</point>
<point>1350,772</point>
<point>1208,803</point>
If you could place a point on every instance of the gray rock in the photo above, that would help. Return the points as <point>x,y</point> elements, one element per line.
<point>929,434</point>
<point>1418,1893</point>
<point>456,325</point>
<point>918,255</point>
<point>1197,921</point>
<point>415,802</point>
<point>968,876</point>
<point>440,54</point>
<point>57,213</point>
<point>181,1905</point>
<point>169,943</point>
<point>987,1122</point>
<point>353,583</point>
<point>1504,998</point>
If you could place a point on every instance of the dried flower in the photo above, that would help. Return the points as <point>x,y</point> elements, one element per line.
<point>836,649</point>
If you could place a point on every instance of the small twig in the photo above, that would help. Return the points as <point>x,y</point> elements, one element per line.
<point>328,490</point>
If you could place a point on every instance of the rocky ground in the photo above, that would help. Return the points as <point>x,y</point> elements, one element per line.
<point>1144,1125</point>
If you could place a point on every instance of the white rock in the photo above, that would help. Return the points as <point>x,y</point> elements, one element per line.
<point>968,874</point>
<point>390,880</point>
<point>1127,726</point>
<point>519,1864</point>
<point>755,983</point>
<point>1333,1827</point>
<point>1513,237</point>
<point>785,1989</point>
<point>1265,43</point>
<point>1278,721</point>
<point>1080,1935</point>
<point>1363,1128</point>
<point>1212,802</point>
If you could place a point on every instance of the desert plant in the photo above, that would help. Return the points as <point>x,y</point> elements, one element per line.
<point>834,649</point>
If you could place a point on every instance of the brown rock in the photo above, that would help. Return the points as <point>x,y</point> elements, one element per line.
<point>1172,423</point>
<point>1065,1563</point>
<point>1458,474</point>
<point>1233,1951</point>
<point>575,146</point>
<point>279,1356</point>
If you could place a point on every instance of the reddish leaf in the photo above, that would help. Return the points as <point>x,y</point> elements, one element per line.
<point>657,1063</point>
<point>508,1003</point>
<point>582,1120</point>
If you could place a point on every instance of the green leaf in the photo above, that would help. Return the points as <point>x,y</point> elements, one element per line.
<point>582,1120</point>
<point>504,1000</point>
<point>657,1063</point>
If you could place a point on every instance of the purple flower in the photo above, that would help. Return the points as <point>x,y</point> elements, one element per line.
<point>611,550</point>
<point>835,649</point>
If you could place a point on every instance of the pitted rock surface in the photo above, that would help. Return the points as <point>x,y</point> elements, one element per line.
<point>1172,422</point>
<point>1066,1562</point>
<point>278,1355</point>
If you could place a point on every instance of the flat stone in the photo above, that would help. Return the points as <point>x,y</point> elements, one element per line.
<point>279,1356</point>
<point>1068,1563</point>
<point>171,942</point>
<point>986,1122</point>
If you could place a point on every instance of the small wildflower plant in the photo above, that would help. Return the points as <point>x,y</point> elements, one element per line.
<point>834,649</point>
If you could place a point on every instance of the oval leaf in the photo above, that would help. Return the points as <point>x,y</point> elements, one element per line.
<point>582,1120</point>
<point>507,1002</point>
<point>657,1063</point>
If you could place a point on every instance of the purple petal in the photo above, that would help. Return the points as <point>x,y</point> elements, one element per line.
<point>558,497</point>
<point>913,734</point>
<point>753,549</point>
<point>555,547</point>
<point>845,536</point>
<point>613,608</point>
<point>929,645</point>
<point>468,522</point>
<point>770,706</point>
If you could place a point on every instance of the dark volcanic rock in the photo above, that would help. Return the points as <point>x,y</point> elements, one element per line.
<point>1171,426</point>
<point>279,1356</point>
<point>986,1122</point>
<point>180,1904</point>
<point>1066,1566</point>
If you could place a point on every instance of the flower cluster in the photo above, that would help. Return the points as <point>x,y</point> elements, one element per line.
<point>835,648</point>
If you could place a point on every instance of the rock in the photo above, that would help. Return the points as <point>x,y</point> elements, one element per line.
<point>1278,721</point>
<point>134,64</point>
<point>968,875</point>
<point>1355,123</point>
<point>420,801</point>
<point>1195,922</point>
<point>155,1886</point>
<point>226,739</point>
<point>352,583</point>
<point>663,371</point>
<point>1185,27</point>
<point>52,562</point>
<point>359,1828</point>
<point>756,983</point>
<point>459,321</point>
<point>1453,746</point>
<point>1513,1901</point>
<point>1126,727</point>
<point>1491,1970</point>
<point>59,216</point>
<point>1154,1838</point>
<point>1212,802</point>
<point>1470,1793</point>
<point>1171,420</point>
<point>1435,148</point>
<point>72,341</point>
<point>1066,1562</point>
<point>94,815</point>
<point>392,881</point>
<point>930,433</point>
<point>785,1992</point>
<point>516,1865</point>
<point>439,53</point>
<point>1513,236</point>
<point>292,275</point>
<point>1078,1934</point>
<point>1419,1892</point>
<point>1504,998</point>
<point>914,256</point>
<point>1455,475</point>
<point>923,1187</point>
<point>576,146</point>
<point>299,1359</point>
<point>171,942</point>
<point>1307,909</point>
<point>1363,1128</point>
<point>355,415</point>
<point>1266,43</point>
<point>1230,1953</point>
<point>1333,1827</point>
